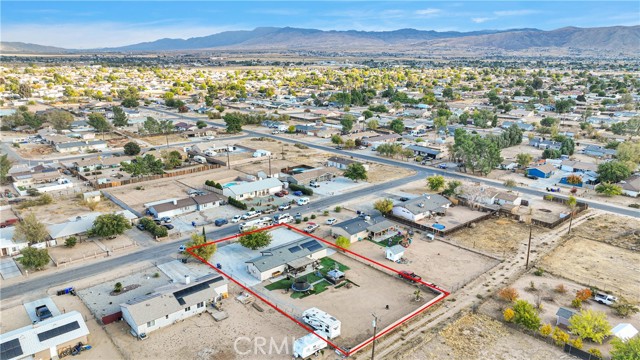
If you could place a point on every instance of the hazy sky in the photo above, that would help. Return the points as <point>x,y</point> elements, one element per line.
<point>93,24</point>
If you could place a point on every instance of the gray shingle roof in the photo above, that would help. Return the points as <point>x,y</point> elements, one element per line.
<point>565,313</point>
<point>287,253</point>
<point>421,204</point>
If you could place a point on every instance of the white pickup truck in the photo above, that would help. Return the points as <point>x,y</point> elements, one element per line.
<point>605,298</point>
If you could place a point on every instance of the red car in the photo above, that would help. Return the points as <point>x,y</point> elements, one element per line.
<point>411,276</point>
<point>279,194</point>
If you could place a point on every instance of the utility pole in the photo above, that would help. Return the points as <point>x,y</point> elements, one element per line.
<point>228,160</point>
<point>373,347</point>
<point>269,165</point>
<point>526,266</point>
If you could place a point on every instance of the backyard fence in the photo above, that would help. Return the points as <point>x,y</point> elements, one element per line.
<point>190,170</point>
<point>580,207</point>
<point>443,232</point>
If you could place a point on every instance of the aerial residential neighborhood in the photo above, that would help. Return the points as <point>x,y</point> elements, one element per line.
<point>296,193</point>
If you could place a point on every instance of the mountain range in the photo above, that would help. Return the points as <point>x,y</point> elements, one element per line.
<point>621,39</point>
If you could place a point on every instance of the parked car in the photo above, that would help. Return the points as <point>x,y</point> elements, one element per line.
<point>140,227</point>
<point>43,312</point>
<point>442,166</point>
<point>411,276</point>
<point>268,211</point>
<point>298,216</point>
<point>284,207</point>
<point>533,177</point>
<point>236,218</point>
<point>331,221</point>
<point>279,194</point>
<point>249,215</point>
<point>314,184</point>
<point>285,192</point>
<point>274,132</point>
<point>311,228</point>
<point>166,219</point>
<point>605,299</point>
<point>221,221</point>
<point>158,221</point>
<point>404,199</point>
<point>182,248</point>
<point>168,226</point>
<point>297,193</point>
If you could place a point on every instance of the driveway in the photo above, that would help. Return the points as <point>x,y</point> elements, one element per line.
<point>8,268</point>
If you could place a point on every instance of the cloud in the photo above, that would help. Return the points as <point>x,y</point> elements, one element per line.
<point>516,12</point>
<point>480,20</point>
<point>278,12</point>
<point>430,11</point>
<point>104,34</point>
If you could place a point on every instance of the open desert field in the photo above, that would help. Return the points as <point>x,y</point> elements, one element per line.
<point>150,191</point>
<point>621,231</point>
<point>594,263</point>
<point>63,208</point>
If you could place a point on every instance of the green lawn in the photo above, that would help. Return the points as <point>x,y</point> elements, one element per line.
<point>280,285</point>
<point>385,243</point>
<point>329,264</point>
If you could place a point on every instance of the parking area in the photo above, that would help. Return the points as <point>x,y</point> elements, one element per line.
<point>9,268</point>
<point>338,186</point>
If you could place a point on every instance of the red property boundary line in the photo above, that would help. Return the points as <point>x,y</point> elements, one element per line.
<point>442,293</point>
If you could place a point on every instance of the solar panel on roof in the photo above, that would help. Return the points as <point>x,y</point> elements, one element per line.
<point>295,249</point>
<point>308,243</point>
<point>10,349</point>
<point>190,290</point>
<point>58,331</point>
<point>315,247</point>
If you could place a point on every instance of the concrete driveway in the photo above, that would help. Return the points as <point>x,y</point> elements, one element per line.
<point>9,268</point>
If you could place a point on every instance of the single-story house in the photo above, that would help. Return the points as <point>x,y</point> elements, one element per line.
<point>425,152</point>
<point>296,256</point>
<point>8,247</point>
<point>253,189</point>
<point>508,198</point>
<point>599,151</point>
<point>28,180</point>
<point>342,163</point>
<point>186,205</point>
<point>522,125</point>
<point>388,138</point>
<point>395,252</point>
<point>577,166</point>
<point>421,207</point>
<point>624,331</point>
<point>545,144</point>
<point>542,171</point>
<point>93,164</point>
<point>173,303</point>
<point>353,229</point>
<point>183,126</point>
<point>79,146</point>
<point>46,339</point>
<point>92,196</point>
<point>563,315</point>
<point>508,165</point>
<point>318,175</point>
<point>80,225</point>
<point>631,186</point>
<point>209,131</point>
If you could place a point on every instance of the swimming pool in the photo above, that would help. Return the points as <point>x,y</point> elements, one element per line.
<point>230,184</point>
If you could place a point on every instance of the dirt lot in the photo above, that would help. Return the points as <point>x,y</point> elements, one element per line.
<point>594,263</point>
<point>63,208</point>
<point>162,140</point>
<point>377,288</point>
<point>34,150</point>
<point>484,237</point>
<point>200,337</point>
<point>615,230</point>
<point>437,262</point>
<point>155,190</point>
<point>480,337</point>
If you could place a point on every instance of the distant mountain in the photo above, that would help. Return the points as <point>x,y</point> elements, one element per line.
<point>20,47</point>
<point>621,39</point>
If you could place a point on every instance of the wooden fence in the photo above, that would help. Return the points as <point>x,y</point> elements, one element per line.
<point>446,231</point>
<point>180,172</point>
<point>580,207</point>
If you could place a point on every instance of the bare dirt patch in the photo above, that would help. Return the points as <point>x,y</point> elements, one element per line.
<point>32,150</point>
<point>63,208</point>
<point>615,230</point>
<point>594,263</point>
<point>162,140</point>
<point>480,337</point>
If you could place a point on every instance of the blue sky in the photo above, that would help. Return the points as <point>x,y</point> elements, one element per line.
<point>91,24</point>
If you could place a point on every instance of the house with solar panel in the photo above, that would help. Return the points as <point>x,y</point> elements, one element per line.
<point>45,339</point>
<point>296,257</point>
<point>172,303</point>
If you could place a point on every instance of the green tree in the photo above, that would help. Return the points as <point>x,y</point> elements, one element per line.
<point>397,126</point>
<point>98,122</point>
<point>608,189</point>
<point>34,259</point>
<point>618,128</point>
<point>613,171</point>
<point>367,114</point>
<point>141,166</point>
<point>336,139</point>
<point>70,242</point>
<point>201,124</point>
<point>130,103</point>
<point>60,119</point>
<point>524,159</point>
<point>626,350</point>
<point>256,240</point>
<point>119,117</point>
<point>234,123</point>
<point>5,166</point>
<point>172,159</point>
<point>131,148</point>
<point>452,188</point>
<point>633,125</point>
<point>548,121</point>
<point>567,147</point>
<point>30,230</point>
<point>349,144</point>
<point>591,325</point>
<point>108,225</point>
<point>373,124</point>
<point>343,242</point>
<point>551,154</point>
<point>564,106</point>
<point>383,205</point>
<point>291,129</point>
<point>203,251</point>
<point>526,315</point>
<point>572,203</point>
<point>355,172</point>
<point>435,182</point>
<point>629,153</point>
<point>347,123</point>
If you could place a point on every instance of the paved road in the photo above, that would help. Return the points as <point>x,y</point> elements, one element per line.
<point>92,268</point>
<point>429,170</point>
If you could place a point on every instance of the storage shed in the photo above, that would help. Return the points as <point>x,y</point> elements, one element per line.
<point>395,253</point>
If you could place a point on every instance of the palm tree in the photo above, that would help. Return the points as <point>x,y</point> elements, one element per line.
<point>572,203</point>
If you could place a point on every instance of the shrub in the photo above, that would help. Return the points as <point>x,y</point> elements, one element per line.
<point>560,337</point>
<point>526,315</point>
<point>71,242</point>
<point>156,275</point>
<point>117,287</point>
<point>313,216</point>
<point>576,303</point>
<point>325,213</point>
<point>623,308</point>
<point>583,295</point>
<point>508,294</point>
<point>298,221</point>
<point>577,343</point>
<point>305,190</point>
<point>548,197</point>
<point>635,206</point>
<point>305,218</point>
<point>337,209</point>
<point>546,329</point>
<point>237,203</point>
<point>509,315</point>
<point>538,272</point>
<point>560,289</point>
<point>595,352</point>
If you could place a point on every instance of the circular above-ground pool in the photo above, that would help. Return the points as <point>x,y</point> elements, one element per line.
<point>438,226</point>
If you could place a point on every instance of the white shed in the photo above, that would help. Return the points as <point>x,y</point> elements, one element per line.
<point>624,331</point>
<point>395,253</point>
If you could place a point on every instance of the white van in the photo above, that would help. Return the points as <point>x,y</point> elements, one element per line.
<point>200,159</point>
<point>303,201</point>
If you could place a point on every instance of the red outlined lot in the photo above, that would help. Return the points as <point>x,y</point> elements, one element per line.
<point>442,294</point>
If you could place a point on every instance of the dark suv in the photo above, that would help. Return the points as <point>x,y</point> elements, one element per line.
<point>220,222</point>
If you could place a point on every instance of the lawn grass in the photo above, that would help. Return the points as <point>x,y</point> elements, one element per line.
<point>385,243</point>
<point>279,285</point>
<point>329,264</point>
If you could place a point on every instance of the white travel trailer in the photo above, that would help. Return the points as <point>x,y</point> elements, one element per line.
<point>308,345</point>
<point>322,322</point>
